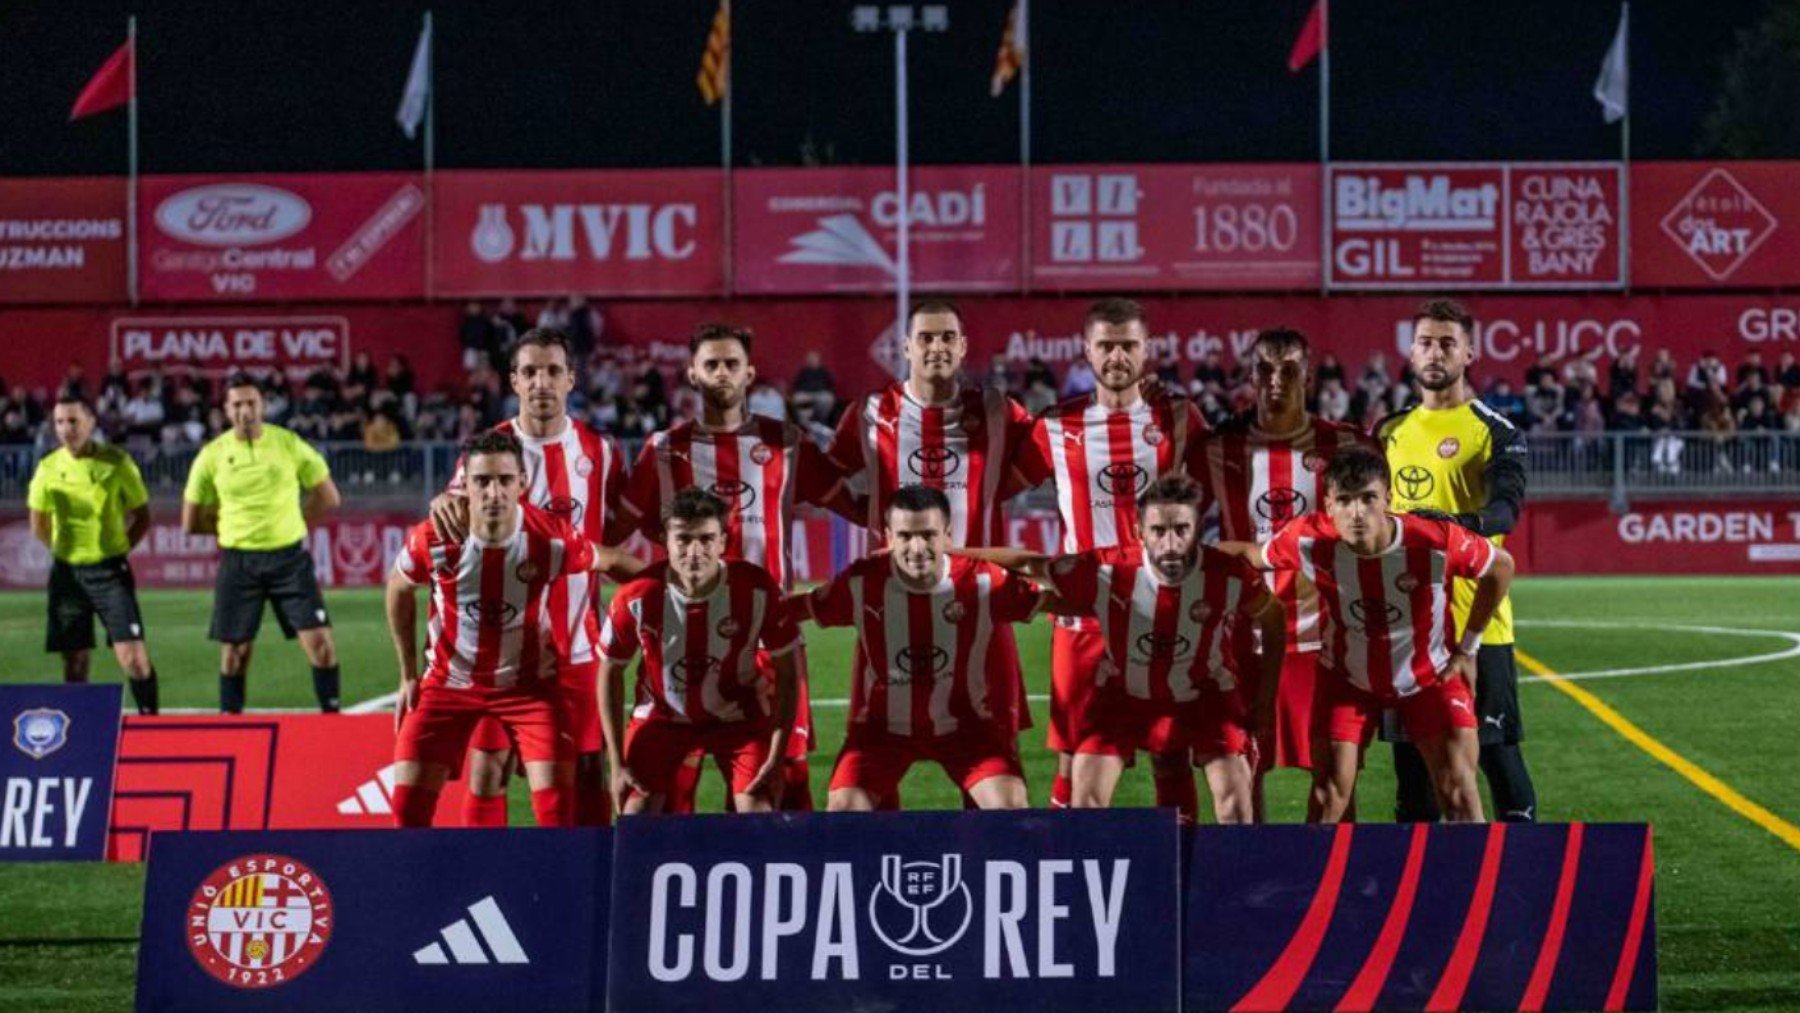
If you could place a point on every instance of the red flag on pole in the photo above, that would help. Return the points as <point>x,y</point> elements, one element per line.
<point>1310,40</point>
<point>109,88</point>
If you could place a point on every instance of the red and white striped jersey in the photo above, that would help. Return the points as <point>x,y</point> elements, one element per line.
<point>1164,642</point>
<point>1103,458</point>
<point>579,476</point>
<point>1261,481</point>
<point>929,663</point>
<point>699,653</point>
<point>492,621</point>
<point>1386,618</point>
<point>760,470</point>
<point>965,446</point>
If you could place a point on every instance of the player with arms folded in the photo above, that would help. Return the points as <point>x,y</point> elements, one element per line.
<point>496,640</point>
<point>1384,583</point>
<point>700,621</point>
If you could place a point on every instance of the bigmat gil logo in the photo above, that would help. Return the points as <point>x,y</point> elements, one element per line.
<point>259,921</point>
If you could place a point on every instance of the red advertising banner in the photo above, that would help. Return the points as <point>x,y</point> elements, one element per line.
<point>1460,226</point>
<point>216,346</point>
<point>255,772</point>
<point>1175,227</point>
<point>1672,536</point>
<point>835,230</point>
<point>659,232</point>
<point>1714,224</point>
<point>62,240</point>
<point>274,237</point>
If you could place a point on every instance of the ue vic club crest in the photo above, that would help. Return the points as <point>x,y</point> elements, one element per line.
<point>921,908</point>
<point>259,921</point>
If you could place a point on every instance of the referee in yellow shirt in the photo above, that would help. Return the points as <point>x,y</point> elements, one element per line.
<point>1454,457</point>
<point>246,486</point>
<point>90,509</point>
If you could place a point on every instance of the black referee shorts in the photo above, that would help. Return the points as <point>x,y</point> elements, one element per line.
<point>282,577</point>
<point>1496,701</point>
<point>79,593</point>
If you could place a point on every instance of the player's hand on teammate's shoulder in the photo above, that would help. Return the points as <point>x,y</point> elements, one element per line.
<point>450,516</point>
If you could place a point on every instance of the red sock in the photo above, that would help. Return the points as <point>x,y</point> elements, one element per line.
<point>685,785</point>
<point>414,806</point>
<point>1061,790</point>
<point>484,810</point>
<point>551,808</point>
<point>593,802</point>
<point>1175,789</point>
<point>796,790</point>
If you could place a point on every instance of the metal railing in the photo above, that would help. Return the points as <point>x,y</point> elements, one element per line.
<point>1617,466</point>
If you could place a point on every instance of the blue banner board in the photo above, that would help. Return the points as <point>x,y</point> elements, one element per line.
<point>431,920</point>
<point>1040,910</point>
<point>56,770</point>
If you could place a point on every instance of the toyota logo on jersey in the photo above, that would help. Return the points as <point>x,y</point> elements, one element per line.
<point>1156,647</point>
<point>919,663</point>
<point>566,507</point>
<point>1279,506</point>
<point>1414,482</point>
<point>934,463</point>
<point>1372,614</point>
<point>1123,479</point>
<point>737,494</point>
<point>491,613</point>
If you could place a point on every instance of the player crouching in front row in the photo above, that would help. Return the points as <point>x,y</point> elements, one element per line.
<point>1168,610</point>
<point>1384,588</point>
<point>494,647</point>
<point>710,631</point>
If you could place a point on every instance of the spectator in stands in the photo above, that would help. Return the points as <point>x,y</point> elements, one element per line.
<point>1662,367</point>
<point>1580,369</point>
<point>74,383</point>
<point>476,335</point>
<point>1503,399</point>
<point>1667,418</point>
<point>144,413</point>
<point>1329,368</point>
<point>362,378</point>
<point>505,325</point>
<point>1169,372</point>
<point>1707,372</point>
<point>1752,368</point>
<point>1000,376</point>
<point>14,429</point>
<point>1546,404</point>
<point>1538,370</point>
<point>605,380</point>
<point>553,314</point>
<point>1079,379</point>
<point>1037,371</point>
<point>1787,372</point>
<point>1750,385</point>
<point>382,432</point>
<point>398,379</point>
<point>586,325</point>
<point>1717,422</point>
<point>1758,423</point>
<point>765,400</point>
<point>1587,417</point>
<point>815,390</point>
<point>1622,375</point>
<point>1334,400</point>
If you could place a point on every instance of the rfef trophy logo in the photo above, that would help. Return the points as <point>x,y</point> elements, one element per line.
<point>40,731</point>
<point>259,921</point>
<point>922,908</point>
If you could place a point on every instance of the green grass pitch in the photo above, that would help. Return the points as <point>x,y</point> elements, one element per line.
<point>1728,897</point>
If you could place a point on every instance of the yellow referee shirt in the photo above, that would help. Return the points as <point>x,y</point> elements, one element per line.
<point>1468,461</point>
<point>87,499</point>
<point>256,486</point>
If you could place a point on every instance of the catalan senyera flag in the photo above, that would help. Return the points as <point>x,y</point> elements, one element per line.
<point>1010,58</point>
<point>715,62</point>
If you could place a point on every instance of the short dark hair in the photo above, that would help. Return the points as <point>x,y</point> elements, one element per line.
<point>240,379</point>
<point>694,504</point>
<point>1116,311</point>
<point>933,304</point>
<point>919,498</point>
<point>543,337</point>
<point>494,441</point>
<point>717,331</point>
<point>1172,489</point>
<point>73,398</point>
<point>1355,467</point>
<point>1446,311</point>
<point>1279,341</point>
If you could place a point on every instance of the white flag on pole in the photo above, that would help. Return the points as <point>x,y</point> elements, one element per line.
<point>418,86</point>
<point>1612,88</point>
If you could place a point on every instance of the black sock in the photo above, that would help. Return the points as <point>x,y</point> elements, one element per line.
<point>1415,800</point>
<point>143,693</point>
<point>325,687</point>
<point>231,694</point>
<point>1515,798</point>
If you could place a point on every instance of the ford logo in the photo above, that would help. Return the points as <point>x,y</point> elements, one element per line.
<point>233,214</point>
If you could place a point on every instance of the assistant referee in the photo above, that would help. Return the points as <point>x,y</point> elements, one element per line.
<point>89,507</point>
<point>246,486</point>
<point>1455,457</point>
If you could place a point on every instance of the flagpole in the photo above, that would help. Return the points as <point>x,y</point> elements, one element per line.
<point>430,160</point>
<point>725,156</point>
<point>1625,157</point>
<point>1325,144</point>
<point>1025,61</point>
<point>131,186</point>
<point>903,280</point>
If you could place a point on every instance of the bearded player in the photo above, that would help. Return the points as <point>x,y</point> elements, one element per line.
<point>496,638</point>
<point>707,627</point>
<point>935,677</point>
<point>1103,450</point>
<point>577,474</point>
<point>1263,471</point>
<point>1384,583</point>
<point>760,467</point>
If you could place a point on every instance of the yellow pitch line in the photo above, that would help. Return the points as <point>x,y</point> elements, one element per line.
<point>1725,793</point>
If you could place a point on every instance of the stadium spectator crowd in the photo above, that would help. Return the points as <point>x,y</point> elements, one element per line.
<point>624,393</point>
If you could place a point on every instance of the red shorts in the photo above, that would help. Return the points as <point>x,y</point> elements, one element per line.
<point>656,749</point>
<point>1212,725</point>
<point>875,760</point>
<point>438,729</point>
<point>581,699</point>
<point>1075,657</point>
<point>1344,713</point>
<point>1289,742</point>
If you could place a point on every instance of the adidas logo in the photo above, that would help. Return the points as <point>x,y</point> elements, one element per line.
<point>465,946</point>
<point>374,797</point>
